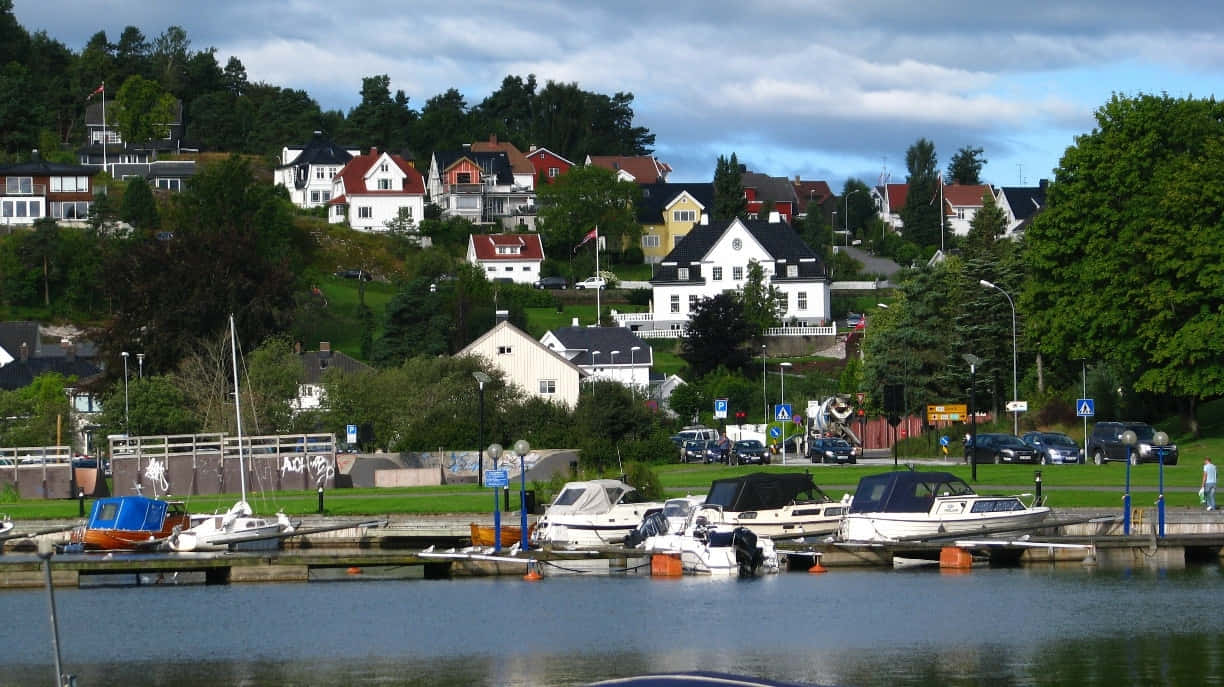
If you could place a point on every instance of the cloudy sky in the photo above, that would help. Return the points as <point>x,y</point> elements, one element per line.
<point>822,89</point>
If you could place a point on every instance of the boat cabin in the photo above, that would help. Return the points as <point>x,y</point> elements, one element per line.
<point>906,491</point>
<point>764,491</point>
<point>131,513</point>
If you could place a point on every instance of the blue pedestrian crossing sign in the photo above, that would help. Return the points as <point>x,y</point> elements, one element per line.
<point>1085,407</point>
<point>782,412</point>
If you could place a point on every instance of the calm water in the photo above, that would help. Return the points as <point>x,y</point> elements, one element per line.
<point>1031,626</point>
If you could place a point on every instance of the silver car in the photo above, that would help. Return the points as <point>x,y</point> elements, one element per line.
<point>1054,447</point>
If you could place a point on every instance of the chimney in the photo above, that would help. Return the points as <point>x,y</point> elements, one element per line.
<point>532,148</point>
<point>373,151</point>
<point>493,139</point>
<point>774,217</point>
<point>501,315</point>
<point>69,350</point>
<point>25,352</point>
<point>705,220</point>
<point>797,178</point>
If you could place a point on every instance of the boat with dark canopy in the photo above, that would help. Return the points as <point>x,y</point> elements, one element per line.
<point>776,505</point>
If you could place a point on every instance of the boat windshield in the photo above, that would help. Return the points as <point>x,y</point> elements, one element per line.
<point>677,508</point>
<point>569,496</point>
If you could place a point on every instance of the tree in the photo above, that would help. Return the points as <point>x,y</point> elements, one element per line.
<point>139,207</point>
<point>171,52</point>
<point>922,217</point>
<point>584,198</point>
<point>234,77</point>
<point>965,167</point>
<point>380,120</point>
<point>857,207</point>
<point>1129,246</point>
<point>729,201</point>
<point>759,301</point>
<point>987,226</point>
<point>143,111</point>
<point>716,335</point>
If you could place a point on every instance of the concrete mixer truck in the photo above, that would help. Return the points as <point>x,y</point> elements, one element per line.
<point>832,417</point>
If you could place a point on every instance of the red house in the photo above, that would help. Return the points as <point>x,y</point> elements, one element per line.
<point>548,165</point>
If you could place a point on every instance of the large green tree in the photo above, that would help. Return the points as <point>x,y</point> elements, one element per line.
<point>717,334</point>
<point>922,215</point>
<point>729,198</point>
<point>965,167</point>
<point>584,198</point>
<point>759,300</point>
<point>142,111</point>
<point>1130,249</point>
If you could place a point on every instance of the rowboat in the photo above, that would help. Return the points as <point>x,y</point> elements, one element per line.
<point>485,535</point>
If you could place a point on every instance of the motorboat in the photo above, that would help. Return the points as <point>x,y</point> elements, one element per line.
<point>911,505</point>
<point>238,527</point>
<point>590,514</point>
<point>785,505</point>
<point>129,522</point>
<point>707,548</point>
<point>677,510</point>
<point>6,523</point>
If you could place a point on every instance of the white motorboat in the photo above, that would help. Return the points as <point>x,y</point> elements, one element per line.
<point>776,505</point>
<point>238,527</point>
<point>912,505</point>
<point>590,514</point>
<point>706,548</point>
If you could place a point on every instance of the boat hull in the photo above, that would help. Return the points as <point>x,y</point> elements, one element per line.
<point>485,535</point>
<point>893,527</point>
<point>790,522</point>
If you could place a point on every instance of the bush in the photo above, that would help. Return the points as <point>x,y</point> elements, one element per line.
<point>641,476</point>
<point>638,296</point>
<point>632,255</point>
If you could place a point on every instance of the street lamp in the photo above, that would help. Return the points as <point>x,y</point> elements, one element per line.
<point>612,361</point>
<point>632,369</point>
<point>782,367</point>
<point>593,354</point>
<point>126,426</point>
<point>970,451</point>
<point>764,394</point>
<point>1129,438</point>
<point>521,449</point>
<point>1015,392</point>
<point>495,451</point>
<point>835,231</point>
<point>140,362</point>
<point>846,219</point>
<point>481,380</point>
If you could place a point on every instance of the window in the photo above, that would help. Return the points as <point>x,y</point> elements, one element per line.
<point>382,167</point>
<point>509,268</point>
<point>682,273</point>
<point>692,302</point>
<point>69,184</point>
<point>365,212</point>
<point>650,241</point>
<point>177,184</point>
<point>675,303</point>
<point>504,350</point>
<point>384,184</point>
<point>491,268</point>
<point>548,387</point>
<point>802,298</point>
<point>792,270</point>
<point>320,173</point>
<point>737,273</point>
<point>684,215</point>
<point>467,203</point>
<point>960,213</point>
<point>508,250</point>
<point>316,196</point>
<point>76,210</point>
<point>553,171</point>
<point>463,177</point>
<point>19,186</point>
<point>717,274</point>
<point>526,268</point>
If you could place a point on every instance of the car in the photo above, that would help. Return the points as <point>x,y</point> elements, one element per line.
<point>551,283</point>
<point>854,320</point>
<point>694,450</point>
<point>831,450</point>
<point>1105,444</point>
<point>1002,448</point>
<point>1054,447</point>
<point>592,283</point>
<point>718,451</point>
<point>354,274</point>
<point>748,451</point>
<point>694,432</point>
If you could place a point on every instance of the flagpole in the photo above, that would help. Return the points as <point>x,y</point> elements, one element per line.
<point>941,214</point>
<point>597,289</point>
<point>104,134</point>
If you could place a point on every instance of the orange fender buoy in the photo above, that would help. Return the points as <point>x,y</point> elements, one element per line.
<point>354,570</point>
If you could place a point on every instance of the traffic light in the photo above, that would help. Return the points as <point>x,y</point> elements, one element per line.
<point>740,416</point>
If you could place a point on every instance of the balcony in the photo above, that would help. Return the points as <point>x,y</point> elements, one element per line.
<point>463,189</point>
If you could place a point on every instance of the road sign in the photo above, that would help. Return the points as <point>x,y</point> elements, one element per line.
<point>1085,407</point>
<point>948,411</point>
<point>496,478</point>
<point>798,419</point>
<point>350,434</point>
<point>720,408</point>
<point>782,412</point>
<point>943,440</point>
<point>775,432</point>
<point>1017,406</point>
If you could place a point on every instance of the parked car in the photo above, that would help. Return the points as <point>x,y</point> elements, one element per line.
<point>1105,444</point>
<point>551,283</point>
<point>831,450</point>
<point>747,451</point>
<point>854,320</point>
<point>1054,447</point>
<point>592,283</point>
<point>1002,448</point>
<point>694,450</point>
<point>694,432</point>
<point>354,274</point>
<point>718,451</point>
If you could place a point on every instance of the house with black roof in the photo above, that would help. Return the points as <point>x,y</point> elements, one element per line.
<point>1021,204</point>
<point>106,149</point>
<point>668,212</point>
<point>482,186</point>
<point>714,258</point>
<point>315,366</point>
<point>307,171</point>
<point>611,353</point>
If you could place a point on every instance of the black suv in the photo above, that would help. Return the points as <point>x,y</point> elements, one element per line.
<point>1002,448</point>
<point>1105,444</point>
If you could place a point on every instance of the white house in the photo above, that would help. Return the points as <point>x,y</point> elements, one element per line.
<point>714,258</point>
<point>515,257</point>
<point>372,189</point>
<point>307,171</point>
<point>611,353</point>
<point>961,205</point>
<point>315,365</point>
<point>483,184</point>
<point>528,364</point>
<point>1021,203</point>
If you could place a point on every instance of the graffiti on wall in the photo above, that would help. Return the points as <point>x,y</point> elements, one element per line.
<point>155,473</point>
<point>319,468</point>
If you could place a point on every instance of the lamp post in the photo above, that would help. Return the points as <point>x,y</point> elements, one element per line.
<point>835,230</point>
<point>1015,392</point>
<point>1160,440</point>
<point>782,368</point>
<point>764,394</point>
<point>495,451</point>
<point>126,425</point>
<point>140,363</point>
<point>481,379</point>
<point>970,453</point>
<point>846,219</point>
<point>612,362</point>
<point>593,354</point>
<point>521,449</point>
<point>1129,438</point>
<point>632,369</point>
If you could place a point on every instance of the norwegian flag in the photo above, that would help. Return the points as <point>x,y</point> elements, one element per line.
<point>99,89</point>
<point>587,238</point>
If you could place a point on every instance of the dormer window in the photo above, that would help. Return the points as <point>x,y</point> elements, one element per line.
<point>682,273</point>
<point>792,271</point>
<point>509,250</point>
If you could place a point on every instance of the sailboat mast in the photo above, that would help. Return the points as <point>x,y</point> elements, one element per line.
<point>237,406</point>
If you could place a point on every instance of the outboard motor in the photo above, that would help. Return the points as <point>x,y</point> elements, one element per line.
<point>747,554</point>
<point>652,525</point>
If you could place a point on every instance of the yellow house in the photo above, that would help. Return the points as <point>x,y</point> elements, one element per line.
<point>668,212</point>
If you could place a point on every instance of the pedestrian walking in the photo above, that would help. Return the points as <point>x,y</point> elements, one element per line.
<point>1209,483</point>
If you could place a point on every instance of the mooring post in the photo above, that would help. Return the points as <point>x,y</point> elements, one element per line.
<point>320,499</point>
<point>1037,485</point>
<point>81,503</point>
